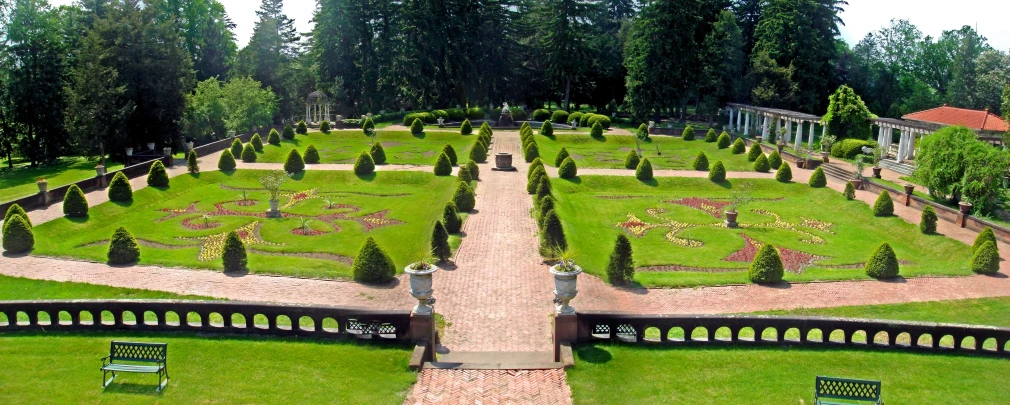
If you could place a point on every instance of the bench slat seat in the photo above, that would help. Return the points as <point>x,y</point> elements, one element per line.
<point>155,354</point>
<point>133,368</point>
<point>829,389</point>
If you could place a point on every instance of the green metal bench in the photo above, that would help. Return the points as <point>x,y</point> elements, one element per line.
<point>830,389</point>
<point>123,356</point>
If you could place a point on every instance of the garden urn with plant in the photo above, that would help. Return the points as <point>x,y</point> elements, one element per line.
<point>566,274</point>
<point>43,184</point>
<point>99,170</point>
<point>150,146</point>
<point>420,285</point>
<point>272,182</point>
<point>503,162</point>
<point>826,143</point>
<point>965,207</point>
<point>741,195</point>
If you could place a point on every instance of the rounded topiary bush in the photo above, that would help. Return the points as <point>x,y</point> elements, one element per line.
<point>621,266</point>
<point>120,188</point>
<point>234,257</point>
<point>584,120</point>
<point>985,260</point>
<point>761,165</point>
<point>123,248</point>
<point>192,165</point>
<point>294,162</point>
<point>723,141</point>
<point>450,152</point>
<point>451,218</point>
<point>596,131</point>
<point>466,128</point>
<point>575,116</point>
<point>256,142</point>
<point>774,159</point>
<point>603,120</point>
<point>738,147</point>
<point>817,179</point>
<point>987,235</point>
<point>289,133</point>
<point>536,163</point>
<point>364,164</point>
<point>849,192</point>
<point>75,205</point>
<point>711,136</point>
<point>643,131</point>
<point>700,162</point>
<point>688,134</point>
<point>754,152</point>
<point>485,128</point>
<point>531,151</point>
<point>16,209</point>
<point>226,162</point>
<point>767,266</point>
<point>324,127</point>
<point>274,137</point>
<point>541,115</point>
<point>248,154</point>
<point>784,174</point>
<point>552,235</point>
<point>567,170</point>
<point>927,224</point>
<point>440,242</point>
<point>543,190</point>
<point>644,170</point>
<point>417,127</point>
<point>372,265</point>
<point>378,153</point>
<point>471,166</point>
<point>368,125</point>
<point>464,174</point>
<point>884,206</point>
<point>311,154</point>
<point>17,235</point>
<point>478,153</point>
<point>559,117</point>
<point>463,197</point>
<point>534,180</point>
<point>718,172</point>
<point>547,129</point>
<point>157,176</point>
<point>442,165</point>
<point>236,148</point>
<point>546,205</point>
<point>631,161</point>
<point>302,128</point>
<point>883,263</point>
<point>561,156</point>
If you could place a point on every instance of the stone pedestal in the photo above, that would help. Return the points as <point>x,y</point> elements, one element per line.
<point>503,162</point>
<point>566,329</point>
<point>422,330</point>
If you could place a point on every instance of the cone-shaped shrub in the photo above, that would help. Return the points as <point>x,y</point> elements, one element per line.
<point>75,205</point>
<point>534,180</point>
<point>531,151</point>
<point>257,142</point>
<point>884,206</point>
<point>688,134</point>
<point>643,131</point>
<point>463,197</point>
<point>850,191</point>
<point>546,205</point>
<point>417,126</point>
<point>464,174</point>
<point>567,170</point>
<point>191,164</point>
<point>289,133</point>
<point>302,128</point>
<point>986,259</point>
<point>767,266</point>
<point>450,152</point>
<point>987,235</point>
<point>311,154</point>
<point>621,267</point>
<point>543,190</point>
<point>486,129</point>
<point>368,125</point>
<point>478,153</point>
<point>711,136</point>
<point>525,127</point>
<point>774,159</point>
<point>883,263</point>
<point>718,172</point>
<point>274,137</point>
<point>533,167</point>
<point>562,154</point>
<point>372,264</point>
<point>236,148</point>
<point>928,222</point>
<point>738,147</point>
<point>234,257</point>
<point>157,176</point>
<point>364,164</point>
<point>761,164</point>
<point>121,190</point>
<point>226,162</point>
<point>785,173</point>
<point>700,162</point>
<point>123,248</point>
<point>378,153</point>
<point>631,161</point>
<point>324,127</point>
<point>596,131</point>
<point>248,154</point>
<point>552,235</point>
<point>16,209</point>
<point>442,165</point>
<point>466,128</point>
<point>451,219</point>
<point>723,141</point>
<point>754,152</point>
<point>294,162</point>
<point>547,129</point>
<point>17,235</point>
<point>440,242</point>
<point>644,170</point>
<point>817,179</point>
<point>471,166</point>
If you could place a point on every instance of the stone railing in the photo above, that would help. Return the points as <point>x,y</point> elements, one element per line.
<point>730,329</point>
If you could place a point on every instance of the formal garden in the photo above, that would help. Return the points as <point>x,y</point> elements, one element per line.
<point>344,146</point>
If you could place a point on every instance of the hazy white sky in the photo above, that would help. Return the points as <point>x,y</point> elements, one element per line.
<point>861,16</point>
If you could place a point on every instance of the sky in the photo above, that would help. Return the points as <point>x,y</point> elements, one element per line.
<point>860,16</point>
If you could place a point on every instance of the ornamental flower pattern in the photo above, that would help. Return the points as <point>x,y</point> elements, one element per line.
<point>713,208</point>
<point>212,247</point>
<point>299,196</point>
<point>793,260</point>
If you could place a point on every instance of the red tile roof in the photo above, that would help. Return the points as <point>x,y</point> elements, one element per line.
<point>974,119</point>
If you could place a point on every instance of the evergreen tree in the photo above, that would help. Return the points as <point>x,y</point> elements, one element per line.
<point>236,147</point>
<point>440,242</point>
<point>157,176</point>
<point>451,218</point>
<point>16,209</point>
<point>226,162</point>
<point>560,157</point>
<point>566,52</point>
<point>123,248</point>
<point>364,164</point>
<point>463,197</point>
<point>17,235</point>
<point>552,235</point>
<point>234,255</point>
<point>372,264</point>
<point>883,263</point>
<point>311,154</point>
<point>294,162</point>
<point>451,153</point>
<point>378,153</point>
<point>621,267</point>
<point>248,154</point>
<point>120,188</point>
<point>718,172</point>
<point>443,167</point>
<point>271,55</point>
<point>927,223</point>
<point>75,205</point>
<point>767,266</point>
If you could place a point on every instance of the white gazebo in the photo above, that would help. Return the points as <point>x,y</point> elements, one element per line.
<point>317,108</point>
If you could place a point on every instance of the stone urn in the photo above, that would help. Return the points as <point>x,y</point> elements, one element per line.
<point>99,171</point>
<point>876,172</point>
<point>189,146</point>
<point>503,162</point>
<point>825,156</point>
<point>129,151</point>
<point>965,207</point>
<point>274,211</point>
<point>150,146</point>
<point>731,218</point>
<point>43,185</point>
<point>856,184</point>
<point>800,164</point>
<point>909,189</point>
<point>565,290</point>
<point>780,146</point>
<point>420,287</point>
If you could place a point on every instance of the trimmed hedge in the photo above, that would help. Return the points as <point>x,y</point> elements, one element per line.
<point>257,142</point>
<point>226,162</point>
<point>451,218</point>
<point>157,176</point>
<point>234,258</point>
<point>817,179</point>
<point>478,153</point>
<point>784,174</point>
<point>584,120</point>
<point>644,170</point>
<point>123,248</point>
<point>761,165</point>
<point>311,154</point>
<point>774,159</point>
<point>378,153</point>
<point>302,128</point>
<point>567,170</point>
<point>191,163</point>
<point>603,120</point>
<point>850,148</point>
<point>883,263</point>
<point>543,190</point>
<point>723,141</point>
<point>530,152</point>
<point>754,152</point>
<point>739,147</point>
<point>486,129</point>
<point>700,162</point>
<point>541,115</point>
<point>596,131</point>
<point>443,167</point>
<point>552,235</point>
<point>324,127</point>
<point>367,125</point>
<point>75,204</point>
<point>621,266</point>
<point>927,223</point>
<point>248,154</point>
<point>372,265</point>
<point>710,136</point>
<point>534,180</point>
<point>688,134</point>
<point>987,235</point>
<point>17,235</point>
<point>440,242</point>
<point>541,210</point>
<point>718,172</point>
<point>466,128</point>
<point>120,188</point>
<point>364,164</point>
<point>294,162</point>
<point>534,165</point>
<point>463,197</point>
<point>289,132</point>
<point>767,266</point>
<point>471,166</point>
<point>417,127</point>
<point>547,129</point>
<point>450,152</point>
<point>850,191</point>
<point>631,161</point>
<point>475,113</point>
<point>16,209</point>
<point>236,148</point>
<point>562,154</point>
<point>274,137</point>
<point>986,259</point>
<point>559,117</point>
<point>884,206</point>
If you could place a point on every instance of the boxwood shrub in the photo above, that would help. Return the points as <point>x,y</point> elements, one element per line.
<point>739,147</point>
<point>257,142</point>
<point>688,134</point>
<point>75,204</point>
<point>378,153</point>
<point>560,117</point>
<point>17,235</point>
<point>761,165</point>
<point>710,136</point>
<point>784,174</point>
<point>289,132</point>
<point>478,153</point>
<point>248,154</point>
<point>644,170</point>
<point>884,206</point>
<point>123,248</point>
<point>849,148</point>
<point>274,137</point>
<point>450,152</point>
<point>817,179</point>
<point>294,162</point>
<point>463,197</point>
<point>471,166</point>
<point>466,128</point>
<point>883,263</point>
<point>311,154</point>
<point>157,176</point>
<point>567,170</point>
<point>596,131</point>
<point>986,259</point>
<point>372,265</point>
<point>700,162</point>
<point>443,167</point>
<point>121,190</point>
<point>16,209</point>
<point>451,219</point>
<point>603,120</point>
<point>631,161</point>
<point>718,172</point>
<point>364,164</point>
<point>234,256</point>
<point>723,141</point>
<point>562,154</point>
<point>541,115</point>
<point>767,266</point>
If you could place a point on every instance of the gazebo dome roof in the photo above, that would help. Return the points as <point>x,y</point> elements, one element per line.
<point>317,97</point>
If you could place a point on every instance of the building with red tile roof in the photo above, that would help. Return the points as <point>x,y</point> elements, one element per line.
<point>980,121</point>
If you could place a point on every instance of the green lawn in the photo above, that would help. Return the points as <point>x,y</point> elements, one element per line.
<point>17,288</point>
<point>678,245</point>
<point>673,153</point>
<point>402,147</point>
<point>396,208</point>
<point>982,311</point>
<point>63,368</point>
<point>624,374</point>
<point>19,181</point>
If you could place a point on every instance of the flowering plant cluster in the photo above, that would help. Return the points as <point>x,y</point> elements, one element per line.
<point>793,260</point>
<point>212,246</point>
<point>713,208</point>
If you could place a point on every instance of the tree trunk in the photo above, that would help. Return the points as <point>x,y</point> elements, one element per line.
<point>568,91</point>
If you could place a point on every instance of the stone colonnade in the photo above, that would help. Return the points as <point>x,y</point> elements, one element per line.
<point>906,143</point>
<point>315,113</point>
<point>740,119</point>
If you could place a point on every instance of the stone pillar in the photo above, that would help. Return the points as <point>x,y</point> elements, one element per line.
<point>308,119</point>
<point>422,331</point>
<point>813,126</point>
<point>901,147</point>
<point>765,128</point>
<point>778,127</point>
<point>730,124</point>
<point>789,131</point>
<point>566,329</point>
<point>737,128</point>
<point>746,124</point>
<point>799,135</point>
<point>911,144</point>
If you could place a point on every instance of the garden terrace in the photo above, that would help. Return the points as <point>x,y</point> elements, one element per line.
<point>19,181</point>
<point>740,118</point>
<point>401,147</point>
<point>663,152</point>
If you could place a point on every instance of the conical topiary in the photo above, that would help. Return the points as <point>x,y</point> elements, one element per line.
<point>451,218</point>
<point>688,134</point>
<point>17,235</point>
<point>257,142</point>
<point>534,181</point>
<point>417,127</point>
<point>723,141</point>
<point>784,174</point>
<point>849,192</point>
<point>372,265</point>
<point>442,165</point>
<point>562,154</point>
<point>123,248</point>
<point>274,137</point>
<point>478,153</point>
<point>543,190</point>
<point>466,128</point>
<point>552,235</point>
<point>485,128</point>
<point>248,154</point>
<point>16,209</point>
<point>546,205</point>
<point>324,127</point>
<point>596,131</point>
<point>440,242</point>
<point>236,147</point>
<point>643,131</point>
<point>774,159</point>
<point>75,205</point>
<point>464,174</point>
<point>547,129</point>
<point>567,170</point>
<point>471,166</point>
<point>463,197</point>
<point>710,136</point>
<point>884,206</point>
<point>311,154</point>
<point>157,176</point>
<point>987,235</point>
<point>767,266</point>
<point>718,172</point>
<point>621,266</point>
<point>120,188</point>
<point>817,179</point>
<point>738,147</point>
<point>378,153</point>
<point>631,161</point>
<point>302,129</point>
<point>985,260</point>
<point>294,162</point>
<point>927,224</point>
<point>754,152</point>
<point>530,152</point>
<point>367,125</point>
<point>700,162</point>
<point>192,165</point>
<point>289,133</point>
<point>451,153</point>
<point>226,162</point>
<point>644,170</point>
<point>234,255</point>
<point>525,126</point>
<point>883,263</point>
<point>364,164</point>
<point>761,165</point>
<point>533,167</point>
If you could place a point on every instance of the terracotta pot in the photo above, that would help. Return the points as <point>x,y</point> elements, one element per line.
<point>876,172</point>
<point>965,207</point>
<point>909,189</point>
<point>801,164</point>
<point>731,218</point>
<point>825,156</point>
<point>856,184</point>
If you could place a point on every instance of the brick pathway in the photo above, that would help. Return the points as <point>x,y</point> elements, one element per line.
<point>436,386</point>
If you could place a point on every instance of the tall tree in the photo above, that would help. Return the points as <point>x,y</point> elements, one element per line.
<point>964,68</point>
<point>748,13</point>
<point>206,30</point>
<point>96,107</point>
<point>271,51</point>
<point>723,63</point>
<point>566,25</point>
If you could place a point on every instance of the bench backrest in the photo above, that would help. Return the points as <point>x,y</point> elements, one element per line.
<point>846,388</point>
<point>133,351</point>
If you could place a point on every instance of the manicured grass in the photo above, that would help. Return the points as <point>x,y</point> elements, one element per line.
<point>20,181</point>
<point>674,153</point>
<point>414,201</point>
<point>624,374</point>
<point>591,225</point>
<point>982,311</point>
<point>17,288</point>
<point>402,147</point>
<point>63,368</point>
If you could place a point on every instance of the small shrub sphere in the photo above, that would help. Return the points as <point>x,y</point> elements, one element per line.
<point>17,235</point>
<point>688,134</point>
<point>302,128</point>
<point>754,152</point>
<point>463,197</point>
<point>644,170</point>
<point>621,266</point>
<point>927,224</point>
<point>987,235</point>
<point>471,167</point>
<point>311,154</point>
<point>884,206</point>
<point>723,141</point>
<point>596,131</point>
<point>561,156</point>
<point>120,188</point>
<point>631,161</point>
<point>75,205</point>
<point>364,164</point>
<point>157,176</point>
<point>417,127</point>
<point>547,129</point>
<point>774,159</point>
<point>289,133</point>
<point>324,127</point>
<point>234,256</point>
<point>850,191</point>
<point>817,179</point>
<point>123,248</point>
<point>603,120</point>
<point>274,137</point>
<point>257,142</point>
<point>739,147</point>
<point>442,165</point>
<point>248,154</point>
<point>986,259</point>
<point>767,266</point>
<point>450,152</point>
<point>378,153</point>
<point>372,265</point>
<point>784,174</point>
<point>711,136</point>
<point>567,170</point>
<point>451,219</point>
<point>883,263</point>
<point>541,115</point>
<point>226,162</point>
<point>700,162</point>
<point>466,128</point>
<point>559,117</point>
<point>294,162</point>
<point>718,172</point>
<point>761,165</point>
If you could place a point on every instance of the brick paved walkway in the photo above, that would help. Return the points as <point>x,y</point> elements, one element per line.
<point>436,386</point>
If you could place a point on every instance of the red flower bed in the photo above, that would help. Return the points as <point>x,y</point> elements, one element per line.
<point>245,203</point>
<point>713,208</point>
<point>199,224</point>
<point>309,232</point>
<point>793,260</point>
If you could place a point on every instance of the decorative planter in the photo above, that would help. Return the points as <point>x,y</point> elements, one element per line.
<point>965,207</point>
<point>780,147</point>
<point>99,171</point>
<point>43,186</point>
<point>909,188</point>
<point>876,172</point>
<point>420,288</point>
<point>800,164</point>
<point>129,151</point>
<point>274,212</point>
<point>565,288</point>
<point>856,184</point>
<point>731,218</point>
<point>189,146</point>
<point>150,146</point>
<point>503,162</point>
<point>167,151</point>
<point>825,156</point>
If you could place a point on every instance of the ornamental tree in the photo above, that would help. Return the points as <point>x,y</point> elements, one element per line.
<point>644,170</point>
<point>567,170</point>
<point>440,242</point>
<point>234,255</point>
<point>478,153</point>
<point>850,191</point>
<point>471,166</point>
<point>596,131</point>
<point>248,154</point>
<point>372,265</point>
<point>466,128</point>
<point>955,165</point>
<point>192,165</point>
<point>818,179</point>
<point>985,260</point>
<point>120,189</point>
<point>75,205</point>
<point>847,115</point>
<point>987,235</point>
<point>157,176</point>
<point>767,266</point>
<point>17,235</point>
<point>927,223</point>
<point>700,162</point>
<point>16,209</point>
<point>774,159</point>
<point>547,129</point>
<point>884,206</point>
<point>226,162</point>
<point>784,174</point>
<point>463,197</point>
<point>451,153</point>
<point>718,172</point>
<point>294,162</point>
<point>417,127</point>
<point>289,132</point>
<point>552,235</point>
<point>621,266</point>
<point>723,141</point>
<point>123,248</point>
<point>754,152</point>
<point>442,165</point>
<point>236,147</point>
<point>302,128</point>
<point>274,137</point>
<point>378,153</point>
<point>631,161</point>
<point>451,218</point>
<point>739,147</point>
<point>364,164</point>
<point>257,142</point>
<point>311,154</point>
<point>761,165</point>
<point>883,263</point>
<point>688,134</point>
<point>711,136</point>
<point>562,154</point>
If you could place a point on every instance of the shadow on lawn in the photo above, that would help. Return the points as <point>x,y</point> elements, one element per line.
<point>136,388</point>
<point>594,354</point>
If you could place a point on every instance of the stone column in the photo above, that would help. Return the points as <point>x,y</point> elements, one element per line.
<point>789,132</point>
<point>730,117</point>
<point>824,133</point>
<point>778,126</point>
<point>812,127</point>
<point>307,117</point>
<point>901,147</point>
<point>911,144</point>
<point>799,135</point>
<point>746,124</point>
<point>737,128</point>
<point>765,128</point>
